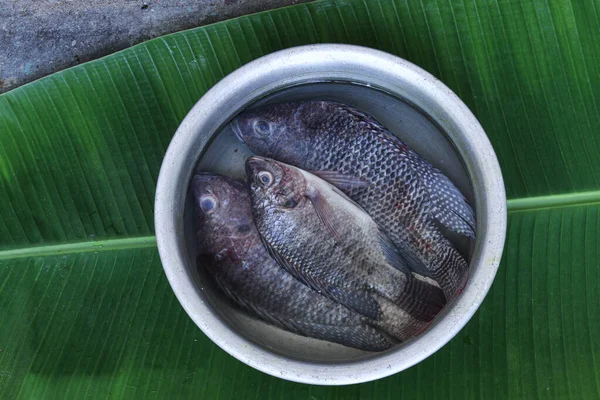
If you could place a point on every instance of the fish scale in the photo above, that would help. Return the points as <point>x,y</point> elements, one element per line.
<point>406,196</point>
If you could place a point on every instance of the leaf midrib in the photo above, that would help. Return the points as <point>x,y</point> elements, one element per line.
<point>80,247</point>
<point>513,206</point>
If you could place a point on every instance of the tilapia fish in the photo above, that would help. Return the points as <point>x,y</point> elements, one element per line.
<point>332,245</point>
<point>403,193</point>
<point>231,248</point>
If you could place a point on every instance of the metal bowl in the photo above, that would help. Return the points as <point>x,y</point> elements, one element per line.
<point>413,104</point>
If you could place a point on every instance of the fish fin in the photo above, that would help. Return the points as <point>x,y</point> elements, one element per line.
<point>324,211</point>
<point>362,116</point>
<point>415,263</point>
<point>360,336</point>
<point>391,253</point>
<point>421,299</point>
<point>450,207</point>
<point>348,199</point>
<point>361,303</point>
<point>399,323</point>
<point>340,180</point>
<point>408,257</point>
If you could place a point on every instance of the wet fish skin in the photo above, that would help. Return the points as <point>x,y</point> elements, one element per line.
<point>404,193</point>
<point>332,245</point>
<point>231,249</point>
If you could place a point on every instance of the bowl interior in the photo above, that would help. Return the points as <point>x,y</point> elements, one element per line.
<point>225,154</point>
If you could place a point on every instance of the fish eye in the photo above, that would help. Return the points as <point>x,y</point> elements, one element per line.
<point>262,127</point>
<point>265,178</point>
<point>208,203</point>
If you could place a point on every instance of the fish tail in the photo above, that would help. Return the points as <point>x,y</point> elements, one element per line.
<point>421,299</point>
<point>450,207</point>
<point>399,323</point>
<point>451,271</point>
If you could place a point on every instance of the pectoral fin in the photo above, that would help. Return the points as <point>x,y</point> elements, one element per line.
<point>402,259</point>
<point>391,253</point>
<point>324,211</point>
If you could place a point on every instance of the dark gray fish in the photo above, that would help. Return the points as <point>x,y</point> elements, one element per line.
<point>332,245</point>
<point>231,249</point>
<point>403,193</point>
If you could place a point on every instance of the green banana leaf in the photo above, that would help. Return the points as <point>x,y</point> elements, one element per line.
<point>85,308</point>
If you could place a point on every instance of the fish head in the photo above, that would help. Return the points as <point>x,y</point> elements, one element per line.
<point>222,206</point>
<point>275,184</point>
<point>285,132</point>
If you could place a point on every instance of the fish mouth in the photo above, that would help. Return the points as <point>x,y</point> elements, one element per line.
<point>235,127</point>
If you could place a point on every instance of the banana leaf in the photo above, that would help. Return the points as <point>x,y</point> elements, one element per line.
<point>85,308</point>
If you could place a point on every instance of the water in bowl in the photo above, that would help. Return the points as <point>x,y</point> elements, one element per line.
<point>226,155</point>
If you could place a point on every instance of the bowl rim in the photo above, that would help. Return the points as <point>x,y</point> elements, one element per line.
<point>350,63</point>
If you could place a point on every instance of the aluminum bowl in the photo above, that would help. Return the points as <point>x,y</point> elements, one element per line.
<point>467,157</point>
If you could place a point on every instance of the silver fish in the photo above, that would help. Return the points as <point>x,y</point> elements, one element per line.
<point>231,249</point>
<point>332,245</point>
<point>403,193</point>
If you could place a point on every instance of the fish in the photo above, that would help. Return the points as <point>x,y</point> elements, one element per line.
<point>332,245</point>
<point>405,194</point>
<point>231,249</point>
